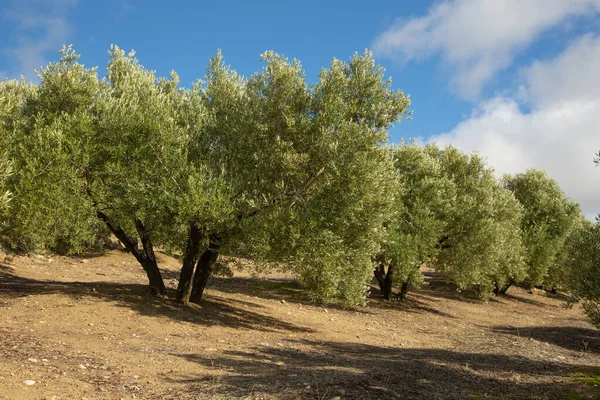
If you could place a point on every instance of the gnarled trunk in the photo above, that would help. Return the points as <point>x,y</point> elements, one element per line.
<point>190,259</point>
<point>498,291</point>
<point>403,290</point>
<point>385,279</point>
<point>204,268</point>
<point>145,256</point>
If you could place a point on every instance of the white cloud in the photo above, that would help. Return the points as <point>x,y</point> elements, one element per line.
<point>550,84</point>
<point>561,132</point>
<point>41,27</point>
<point>477,38</point>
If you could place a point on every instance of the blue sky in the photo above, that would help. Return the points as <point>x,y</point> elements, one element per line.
<point>515,80</point>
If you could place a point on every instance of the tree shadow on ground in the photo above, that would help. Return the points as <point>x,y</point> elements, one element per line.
<point>280,289</point>
<point>570,338</point>
<point>308,369</point>
<point>437,286</point>
<point>415,302</point>
<point>211,311</point>
<point>6,271</point>
<point>290,291</point>
<point>511,297</point>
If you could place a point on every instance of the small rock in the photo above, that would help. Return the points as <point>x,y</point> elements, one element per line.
<point>81,366</point>
<point>336,398</point>
<point>136,377</point>
<point>29,382</point>
<point>84,261</point>
<point>283,301</point>
<point>33,360</point>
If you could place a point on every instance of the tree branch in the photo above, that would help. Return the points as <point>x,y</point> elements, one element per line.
<point>294,194</point>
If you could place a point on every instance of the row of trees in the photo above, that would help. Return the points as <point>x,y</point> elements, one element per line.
<point>292,175</point>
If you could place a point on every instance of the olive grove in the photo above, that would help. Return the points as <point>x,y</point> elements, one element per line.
<point>291,175</point>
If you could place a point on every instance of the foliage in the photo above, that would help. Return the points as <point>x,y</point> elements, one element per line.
<point>547,220</point>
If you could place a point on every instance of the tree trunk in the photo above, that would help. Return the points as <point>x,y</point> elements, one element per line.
<point>502,290</point>
<point>146,257</point>
<point>149,263</point>
<point>190,258</point>
<point>403,290</point>
<point>385,280</point>
<point>204,268</point>
<point>379,273</point>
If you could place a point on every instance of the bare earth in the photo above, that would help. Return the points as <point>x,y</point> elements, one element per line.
<point>87,328</point>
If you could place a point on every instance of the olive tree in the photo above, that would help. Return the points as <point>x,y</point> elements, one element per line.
<point>583,272</point>
<point>580,264</point>
<point>43,126</point>
<point>299,172</point>
<point>137,162</point>
<point>417,220</point>
<point>547,220</point>
<point>8,103</point>
<point>450,212</point>
<point>481,245</point>
<point>559,272</point>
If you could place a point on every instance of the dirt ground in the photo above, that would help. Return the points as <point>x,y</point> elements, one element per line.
<point>87,328</point>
